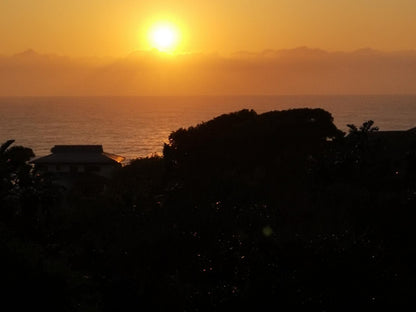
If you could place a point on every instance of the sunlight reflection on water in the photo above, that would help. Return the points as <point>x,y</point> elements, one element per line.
<point>138,126</point>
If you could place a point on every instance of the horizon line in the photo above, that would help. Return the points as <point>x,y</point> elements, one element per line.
<point>207,95</point>
<point>231,53</point>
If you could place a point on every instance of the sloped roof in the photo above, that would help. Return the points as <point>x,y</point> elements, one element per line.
<point>395,134</point>
<point>78,154</point>
<point>396,143</point>
<point>77,148</point>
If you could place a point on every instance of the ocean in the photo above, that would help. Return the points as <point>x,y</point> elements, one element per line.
<point>139,126</point>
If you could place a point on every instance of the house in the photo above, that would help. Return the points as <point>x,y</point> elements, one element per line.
<point>395,144</point>
<point>73,160</point>
<point>397,149</point>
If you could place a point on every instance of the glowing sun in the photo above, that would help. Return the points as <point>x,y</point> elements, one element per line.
<point>164,37</point>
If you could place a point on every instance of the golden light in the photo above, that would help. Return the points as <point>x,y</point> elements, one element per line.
<point>164,37</point>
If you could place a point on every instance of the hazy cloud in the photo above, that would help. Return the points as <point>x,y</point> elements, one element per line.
<point>296,71</point>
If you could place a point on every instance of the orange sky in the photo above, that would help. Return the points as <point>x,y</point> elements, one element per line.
<point>236,47</point>
<point>293,71</point>
<point>116,28</point>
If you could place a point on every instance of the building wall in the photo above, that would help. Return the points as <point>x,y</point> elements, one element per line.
<point>65,169</point>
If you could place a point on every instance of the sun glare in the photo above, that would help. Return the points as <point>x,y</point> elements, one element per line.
<point>164,37</point>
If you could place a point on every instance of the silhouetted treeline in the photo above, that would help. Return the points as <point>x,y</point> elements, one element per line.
<point>244,211</point>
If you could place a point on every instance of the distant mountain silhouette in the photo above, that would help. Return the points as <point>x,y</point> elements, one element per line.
<point>301,70</point>
<point>27,53</point>
<point>31,55</point>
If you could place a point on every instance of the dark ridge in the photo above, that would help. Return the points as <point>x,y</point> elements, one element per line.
<point>77,148</point>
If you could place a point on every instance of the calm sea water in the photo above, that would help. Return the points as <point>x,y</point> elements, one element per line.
<point>138,126</point>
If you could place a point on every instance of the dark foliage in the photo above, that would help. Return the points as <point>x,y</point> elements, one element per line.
<point>243,155</point>
<point>245,211</point>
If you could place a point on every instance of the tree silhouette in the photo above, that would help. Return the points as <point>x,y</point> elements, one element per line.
<point>365,128</point>
<point>244,154</point>
<point>277,209</point>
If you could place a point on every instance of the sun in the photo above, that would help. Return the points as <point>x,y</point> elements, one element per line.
<point>164,37</point>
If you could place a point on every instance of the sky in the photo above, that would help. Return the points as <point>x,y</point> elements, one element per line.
<point>116,28</point>
<point>291,71</point>
<point>220,47</point>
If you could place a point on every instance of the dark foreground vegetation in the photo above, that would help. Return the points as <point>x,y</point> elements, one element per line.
<point>241,212</point>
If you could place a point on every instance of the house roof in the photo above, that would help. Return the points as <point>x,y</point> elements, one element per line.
<point>402,135</point>
<point>397,143</point>
<point>78,154</point>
